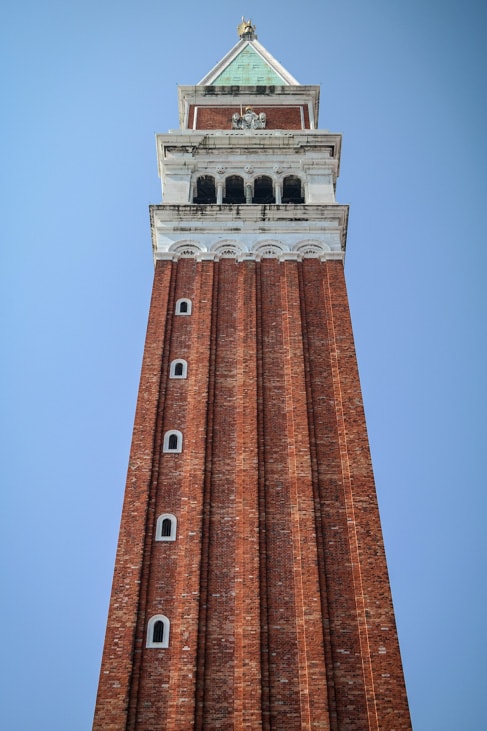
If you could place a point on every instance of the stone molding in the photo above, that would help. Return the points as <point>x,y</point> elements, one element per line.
<point>211,232</point>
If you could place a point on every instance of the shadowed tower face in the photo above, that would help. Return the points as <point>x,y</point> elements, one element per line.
<point>250,587</point>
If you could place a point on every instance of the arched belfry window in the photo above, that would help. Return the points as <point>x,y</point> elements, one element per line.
<point>263,190</point>
<point>205,190</point>
<point>158,631</point>
<point>292,190</point>
<point>234,190</point>
<point>166,527</point>
<point>173,441</point>
<point>183,307</point>
<point>178,369</point>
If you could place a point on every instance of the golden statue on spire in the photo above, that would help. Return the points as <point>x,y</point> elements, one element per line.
<point>246,30</point>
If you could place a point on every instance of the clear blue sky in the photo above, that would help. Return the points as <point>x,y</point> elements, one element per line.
<point>85,87</point>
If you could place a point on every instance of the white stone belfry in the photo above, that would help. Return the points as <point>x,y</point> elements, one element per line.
<point>248,174</point>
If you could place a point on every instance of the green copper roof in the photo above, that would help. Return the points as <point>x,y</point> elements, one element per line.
<point>248,69</point>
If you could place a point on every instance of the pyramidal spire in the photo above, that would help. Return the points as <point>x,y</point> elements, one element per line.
<point>248,63</point>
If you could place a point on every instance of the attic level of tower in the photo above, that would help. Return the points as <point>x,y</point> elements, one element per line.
<point>217,107</point>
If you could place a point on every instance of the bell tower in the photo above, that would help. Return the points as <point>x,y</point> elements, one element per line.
<point>250,587</point>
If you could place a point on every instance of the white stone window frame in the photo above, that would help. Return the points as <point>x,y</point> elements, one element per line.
<point>174,364</point>
<point>167,436</point>
<point>180,302</point>
<point>174,527</point>
<point>150,631</point>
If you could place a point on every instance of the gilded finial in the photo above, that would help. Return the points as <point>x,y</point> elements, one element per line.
<point>246,30</point>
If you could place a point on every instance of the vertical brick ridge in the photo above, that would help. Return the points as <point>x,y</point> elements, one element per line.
<point>340,602</point>
<point>220,641</point>
<point>181,705</point>
<point>289,372</point>
<point>284,692</point>
<point>309,630</point>
<point>240,569</point>
<point>384,657</point>
<point>117,673</point>
<point>263,584</point>
<point>247,702</point>
<point>351,521</point>
<point>206,512</point>
<point>303,270</point>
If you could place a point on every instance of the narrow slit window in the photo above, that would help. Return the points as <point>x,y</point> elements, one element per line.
<point>158,631</point>
<point>166,527</point>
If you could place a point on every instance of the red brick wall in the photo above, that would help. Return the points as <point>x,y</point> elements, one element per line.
<point>276,587</point>
<point>278,117</point>
<point>230,627</point>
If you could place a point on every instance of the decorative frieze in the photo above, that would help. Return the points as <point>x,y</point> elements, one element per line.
<point>261,248</point>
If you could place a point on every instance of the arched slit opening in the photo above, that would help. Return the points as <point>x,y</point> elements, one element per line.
<point>263,190</point>
<point>234,190</point>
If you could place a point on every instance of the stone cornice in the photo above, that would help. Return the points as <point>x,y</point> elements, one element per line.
<point>183,147</point>
<point>282,231</point>
<point>193,140</point>
<point>258,215</point>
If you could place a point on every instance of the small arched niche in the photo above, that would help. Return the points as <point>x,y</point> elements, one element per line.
<point>166,527</point>
<point>173,442</point>
<point>183,307</point>
<point>158,631</point>
<point>178,369</point>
